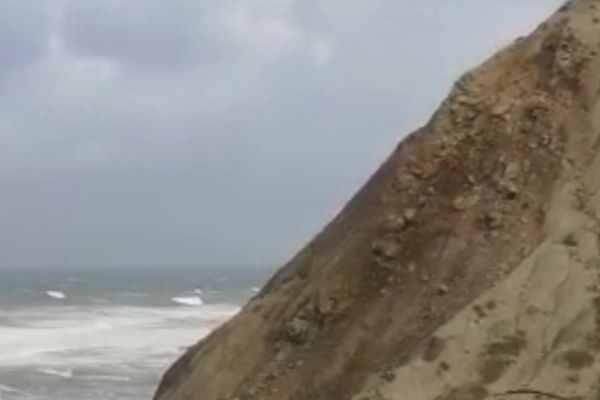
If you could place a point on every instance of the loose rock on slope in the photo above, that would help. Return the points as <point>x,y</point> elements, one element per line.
<point>467,267</point>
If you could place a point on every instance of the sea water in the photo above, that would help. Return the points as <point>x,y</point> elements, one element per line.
<point>108,333</point>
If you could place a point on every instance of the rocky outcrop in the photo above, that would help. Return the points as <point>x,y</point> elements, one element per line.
<point>468,267</point>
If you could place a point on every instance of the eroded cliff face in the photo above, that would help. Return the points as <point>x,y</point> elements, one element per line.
<point>467,267</point>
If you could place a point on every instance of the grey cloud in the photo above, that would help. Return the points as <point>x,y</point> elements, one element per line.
<point>142,33</point>
<point>24,33</point>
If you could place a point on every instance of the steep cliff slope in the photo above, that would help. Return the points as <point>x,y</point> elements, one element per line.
<point>467,267</point>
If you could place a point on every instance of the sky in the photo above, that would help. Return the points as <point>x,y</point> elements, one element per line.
<point>214,132</point>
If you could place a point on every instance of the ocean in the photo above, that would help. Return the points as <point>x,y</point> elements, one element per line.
<point>108,333</point>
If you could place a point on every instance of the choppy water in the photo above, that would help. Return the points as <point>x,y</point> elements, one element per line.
<point>107,334</point>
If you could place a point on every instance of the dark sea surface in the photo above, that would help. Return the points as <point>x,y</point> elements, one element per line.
<point>108,333</point>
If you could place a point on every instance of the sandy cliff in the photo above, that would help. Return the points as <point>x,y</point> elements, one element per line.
<point>467,267</point>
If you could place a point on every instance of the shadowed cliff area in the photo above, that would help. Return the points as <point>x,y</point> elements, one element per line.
<point>467,267</point>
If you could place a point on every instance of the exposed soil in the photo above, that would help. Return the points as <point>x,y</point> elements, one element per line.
<point>428,285</point>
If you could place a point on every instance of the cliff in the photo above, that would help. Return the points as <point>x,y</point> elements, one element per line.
<point>466,268</point>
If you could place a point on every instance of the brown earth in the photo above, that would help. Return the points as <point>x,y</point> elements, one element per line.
<point>467,267</point>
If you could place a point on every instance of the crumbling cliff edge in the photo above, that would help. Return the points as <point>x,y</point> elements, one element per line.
<point>468,266</point>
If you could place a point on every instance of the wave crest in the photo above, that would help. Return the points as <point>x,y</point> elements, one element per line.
<point>189,300</point>
<point>63,373</point>
<point>55,294</point>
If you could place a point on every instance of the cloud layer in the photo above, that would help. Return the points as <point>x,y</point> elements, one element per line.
<point>201,132</point>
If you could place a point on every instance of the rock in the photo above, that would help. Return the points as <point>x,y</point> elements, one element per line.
<point>410,215</point>
<point>270,376</point>
<point>385,249</point>
<point>500,109</point>
<point>493,220</point>
<point>512,171</point>
<point>491,305</point>
<point>282,354</point>
<point>570,240</point>
<point>546,140</point>
<point>467,100</point>
<point>298,331</point>
<point>465,201</point>
<point>388,375</point>
<point>394,223</point>
<point>417,172</point>
<point>443,289</point>
<point>433,349</point>
<point>512,190</point>
<point>509,188</point>
<point>327,305</point>
<point>454,108</point>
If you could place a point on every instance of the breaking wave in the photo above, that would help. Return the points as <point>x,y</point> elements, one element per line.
<point>63,373</point>
<point>55,294</point>
<point>189,301</point>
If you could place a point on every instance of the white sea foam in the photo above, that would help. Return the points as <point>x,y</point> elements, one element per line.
<point>71,345</point>
<point>13,391</point>
<point>109,378</point>
<point>55,294</point>
<point>9,389</point>
<point>189,301</point>
<point>63,373</point>
<point>102,337</point>
<point>255,289</point>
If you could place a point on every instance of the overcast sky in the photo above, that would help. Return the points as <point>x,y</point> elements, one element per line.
<point>153,132</point>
